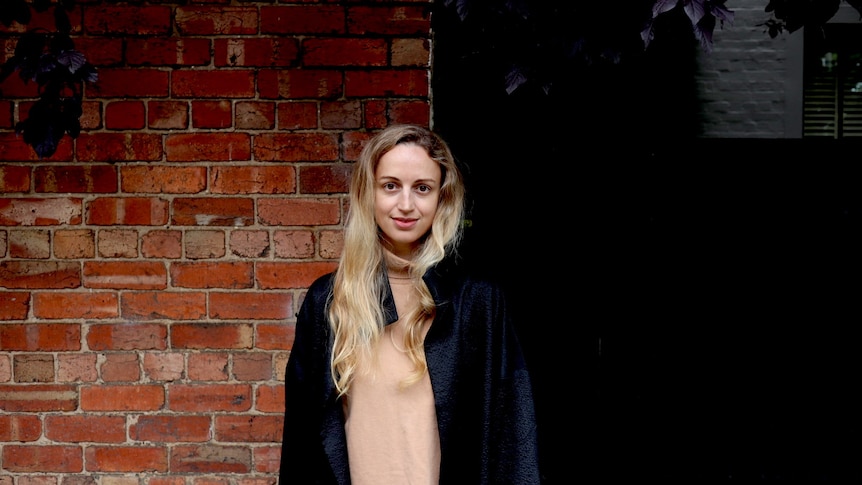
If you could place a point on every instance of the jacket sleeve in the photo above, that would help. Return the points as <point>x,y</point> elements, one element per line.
<point>306,390</point>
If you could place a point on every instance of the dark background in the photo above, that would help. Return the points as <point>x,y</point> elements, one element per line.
<point>688,305</point>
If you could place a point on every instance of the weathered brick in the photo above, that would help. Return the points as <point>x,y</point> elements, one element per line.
<point>130,83</point>
<point>300,83</point>
<point>212,275</point>
<point>410,111</point>
<point>13,148</point>
<point>255,115</point>
<point>299,212</point>
<point>77,367</point>
<point>30,244</point>
<point>411,52</point>
<point>212,114</point>
<point>253,179</point>
<point>37,398</point>
<point>33,367</point>
<point>162,244</point>
<point>252,367</point>
<point>128,19</point>
<point>171,429</point>
<point>248,429</point>
<point>256,52</point>
<point>163,179</point>
<point>120,367</point>
<point>150,51</point>
<point>209,366</point>
<point>205,244</point>
<point>119,147</point>
<point>325,179</point>
<point>75,178</point>
<point>270,399</point>
<point>101,51</point>
<point>127,336</point>
<point>216,20</point>
<point>251,306</point>
<point>44,337</point>
<point>331,243</point>
<point>249,244</point>
<point>164,305</point>
<point>61,305</point>
<point>275,336</point>
<point>211,459</point>
<point>196,147</point>
<point>143,211</point>
<point>341,115</point>
<point>164,366</point>
<point>213,211</point>
<point>131,275</point>
<point>267,459</point>
<point>121,243</point>
<point>14,305</point>
<point>20,427</point>
<point>198,398</point>
<point>85,427</point>
<point>318,52</point>
<point>74,243</point>
<point>40,212</point>
<point>40,274</point>
<point>399,20</point>
<point>168,115</point>
<point>386,82</point>
<point>297,115</point>
<point>294,244</point>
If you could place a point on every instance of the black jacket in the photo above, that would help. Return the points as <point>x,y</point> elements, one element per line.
<point>482,390</point>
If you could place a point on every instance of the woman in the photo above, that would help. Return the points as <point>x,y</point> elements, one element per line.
<point>405,369</point>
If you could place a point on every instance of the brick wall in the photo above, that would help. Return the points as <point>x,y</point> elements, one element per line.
<point>151,268</point>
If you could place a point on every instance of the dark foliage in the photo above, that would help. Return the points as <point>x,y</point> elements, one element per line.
<point>50,60</point>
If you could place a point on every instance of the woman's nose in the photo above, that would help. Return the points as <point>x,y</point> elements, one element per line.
<point>405,200</point>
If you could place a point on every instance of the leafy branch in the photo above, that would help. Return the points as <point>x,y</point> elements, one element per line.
<point>50,60</point>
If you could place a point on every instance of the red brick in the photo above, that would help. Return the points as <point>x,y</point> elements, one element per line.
<point>255,115</point>
<point>40,212</point>
<point>118,147</point>
<point>205,244</point>
<point>33,368</point>
<point>293,244</point>
<point>279,179</point>
<point>405,20</point>
<point>150,179</point>
<point>212,114</point>
<point>164,366</point>
<point>274,337</point>
<point>145,211</point>
<point>6,110</point>
<point>290,275</point>
<point>194,147</point>
<point>120,368</point>
<point>341,115</point>
<point>344,52</point>
<point>43,337</point>
<point>137,397</point>
<point>248,429</point>
<point>296,147</point>
<point>251,306</point>
<point>74,243</point>
<point>129,336</point>
<point>85,427</point>
<point>160,305</point>
<point>101,51</point>
<point>14,305</point>
<point>211,211</point>
<point>300,83</point>
<point>385,82</point>
<point>128,19</point>
<point>302,19</point>
<point>40,274</point>
<point>249,244</point>
<point>209,397</point>
<point>211,459</point>
<point>375,116</point>
<point>331,243</point>
<point>297,115</point>
<point>270,399</point>
<point>162,244</point>
<point>130,83</point>
<point>42,459</point>
<point>128,459</point>
<point>13,149</point>
<point>252,367</point>
<point>213,84</point>
<point>125,115</point>
<point>299,212</point>
<point>117,243</point>
<point>171,429</point>
<point>207,336</point>
<point>209,366</point>
<point>14,178</point>
<point>54,179</point>
<point>256,52</point>
<point>417,112</point>
<point>91,118</point>
<point>168,115</point>
<point>267,459</point>
<point>216,20</point>
<point>38,398</point>
<point>325,179</point>
<point>212,275</point>
<point>15,87</point>
<point>168,52</point>
<point>76,367</point>
<point>19,427</point>
<point>30,244</point>
<point>44,21</point>
<point>411,52</point>
<point>75,305</point>
<point>127,275</point>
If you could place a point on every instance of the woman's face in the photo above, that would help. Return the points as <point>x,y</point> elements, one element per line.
<point>407,189</point>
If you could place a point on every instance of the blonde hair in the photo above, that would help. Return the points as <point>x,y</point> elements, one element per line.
<point>356,304</point>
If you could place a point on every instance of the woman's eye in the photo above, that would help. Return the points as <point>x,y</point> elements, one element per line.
<point>424,188</point>
<point>389,186</point>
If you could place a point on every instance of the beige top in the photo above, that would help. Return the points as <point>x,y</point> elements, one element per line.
<point>392,435</point>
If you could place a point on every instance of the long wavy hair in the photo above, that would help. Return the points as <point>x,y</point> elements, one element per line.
<point>355,308</point>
